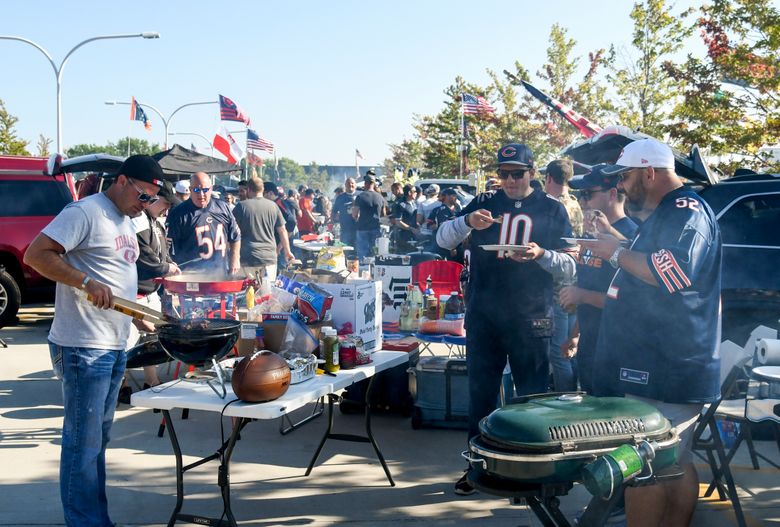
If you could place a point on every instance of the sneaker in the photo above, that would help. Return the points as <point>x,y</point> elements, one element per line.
<point>124,395</point>
<point>463,487</point>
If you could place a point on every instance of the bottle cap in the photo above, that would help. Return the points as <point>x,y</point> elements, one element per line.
<point>454,293</point>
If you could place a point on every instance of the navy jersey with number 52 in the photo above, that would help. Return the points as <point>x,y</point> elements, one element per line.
<point>498,285</point>
<point>205,233</point>
<point>660,341</point>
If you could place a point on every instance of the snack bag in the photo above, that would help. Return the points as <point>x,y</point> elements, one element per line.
<point>331,259</point>
<point>313,304</point>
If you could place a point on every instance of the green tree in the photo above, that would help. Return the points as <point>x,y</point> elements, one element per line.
<point>288,173</point>
<point>10,144</point>
<point>645,89</point>
<point>120,148</point>
<point>43,145</point>
<point>743,43</point>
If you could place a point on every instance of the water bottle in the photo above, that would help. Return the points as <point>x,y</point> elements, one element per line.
<point>604,476</point>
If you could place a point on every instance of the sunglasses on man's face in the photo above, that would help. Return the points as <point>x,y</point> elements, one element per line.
<point>143,197</point>
<point>586,194</point>
<point>516,174</point>
<point>198,190</point>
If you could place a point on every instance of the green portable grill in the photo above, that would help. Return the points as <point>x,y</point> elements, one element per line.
<point>537,447</point>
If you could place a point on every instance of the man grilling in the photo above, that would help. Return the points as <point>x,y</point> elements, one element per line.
<point>90,247</point>
<point>203,232</point>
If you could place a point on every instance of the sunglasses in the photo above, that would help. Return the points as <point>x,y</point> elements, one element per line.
<point>516,174</point>
<point>198,190</point>
<point>143,197</point>
<point>586,194</point>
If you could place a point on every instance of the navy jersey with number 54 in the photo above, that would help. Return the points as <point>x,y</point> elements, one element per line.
<point>498,285</point>
<point>206,233</point>
<point>660,341</point>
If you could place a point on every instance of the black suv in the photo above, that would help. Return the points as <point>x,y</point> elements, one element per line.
<point>748,211</point>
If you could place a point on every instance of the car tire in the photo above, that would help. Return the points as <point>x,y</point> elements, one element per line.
<point>10,299</point>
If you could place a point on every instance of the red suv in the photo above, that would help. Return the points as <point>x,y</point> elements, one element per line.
<point>32,191</point>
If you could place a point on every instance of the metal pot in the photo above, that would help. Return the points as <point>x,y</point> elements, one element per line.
<point>203,284</point>
<point>198,341</point>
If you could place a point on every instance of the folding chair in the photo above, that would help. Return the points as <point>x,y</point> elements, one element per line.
<point>445,276</point>
<point>455,346</point>
<point>711,448</point>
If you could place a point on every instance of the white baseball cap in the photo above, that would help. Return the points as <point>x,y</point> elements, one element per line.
<point>182,187</point>
<point>642,153</point>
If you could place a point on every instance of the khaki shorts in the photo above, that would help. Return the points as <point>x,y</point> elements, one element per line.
<point>683,417</point>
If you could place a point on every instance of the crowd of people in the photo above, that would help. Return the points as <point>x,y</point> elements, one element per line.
<point>629,308</point>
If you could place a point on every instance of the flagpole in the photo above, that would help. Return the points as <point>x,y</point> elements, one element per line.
<point>462,133</point>
<point>357,168</point>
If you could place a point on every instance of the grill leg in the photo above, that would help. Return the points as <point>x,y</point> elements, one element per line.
<point>548,511</point>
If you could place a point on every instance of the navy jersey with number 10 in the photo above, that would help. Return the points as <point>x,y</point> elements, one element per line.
<point>499,286</point>
<point>205,233</point>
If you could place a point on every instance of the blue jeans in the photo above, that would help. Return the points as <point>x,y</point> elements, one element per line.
<point>564,370</point>
<point>90,384</point>
<point>365,242</point>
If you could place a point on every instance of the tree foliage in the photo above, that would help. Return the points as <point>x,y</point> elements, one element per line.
<point>742,115</point>
<point>10,144</point>
<point>43,145</point>
<point>646,92</point>
<point>120,148</point>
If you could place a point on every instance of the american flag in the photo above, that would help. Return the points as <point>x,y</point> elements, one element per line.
<point>138,114</point>
<point>229,111</point>
<point>255,142</point>
<point>475,104</point>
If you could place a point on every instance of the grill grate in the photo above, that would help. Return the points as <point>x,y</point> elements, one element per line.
<point>597,429</point>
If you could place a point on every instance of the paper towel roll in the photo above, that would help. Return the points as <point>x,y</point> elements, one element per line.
<point>769,352</point>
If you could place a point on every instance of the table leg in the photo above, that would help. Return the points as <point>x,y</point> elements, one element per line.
<point>319,408</point>
<point>369,438</point>
<point>224,453</point>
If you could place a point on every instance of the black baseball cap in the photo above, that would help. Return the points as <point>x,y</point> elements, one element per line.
<point>371,172</point>
<point>143,168</point>
<point>270,186</point>
<point>166,192</point>
<point>449,191</point>
<point>369,178</point>
<point>595,178</point>
<point>516,154</point>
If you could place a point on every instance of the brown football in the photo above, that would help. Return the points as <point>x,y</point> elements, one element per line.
<point>263,376</point>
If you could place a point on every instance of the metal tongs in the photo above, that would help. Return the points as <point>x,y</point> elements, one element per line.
<point>138,311</point>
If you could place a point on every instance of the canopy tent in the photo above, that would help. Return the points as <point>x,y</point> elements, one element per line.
<point>179,162</point>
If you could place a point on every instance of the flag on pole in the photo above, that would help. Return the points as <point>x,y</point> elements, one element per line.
<point>475,104</point>
<point>253,160</point>
<point>193,147</point>
<point>227,146</point>
<point>229,111</point>
<point>138,114</point>
<point>585,126</point>
<point>255,142</point>
<point>358,155</point>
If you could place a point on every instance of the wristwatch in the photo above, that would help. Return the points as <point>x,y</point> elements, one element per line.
<point>466,221</point>
<point>613,260</point>
<point>86,280</point>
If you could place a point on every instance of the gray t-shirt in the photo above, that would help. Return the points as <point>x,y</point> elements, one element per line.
<point>101,241</point>
<point>258,219</point>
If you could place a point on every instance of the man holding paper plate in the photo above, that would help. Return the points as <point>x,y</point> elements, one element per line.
<point>516,234</point>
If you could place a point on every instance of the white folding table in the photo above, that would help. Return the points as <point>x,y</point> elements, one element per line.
<point>197,396</point>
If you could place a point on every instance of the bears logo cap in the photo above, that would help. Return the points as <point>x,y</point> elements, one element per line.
<point>516,154</point>
<point>643,153</point>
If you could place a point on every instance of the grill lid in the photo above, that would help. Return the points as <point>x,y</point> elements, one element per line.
<point>555,422</point>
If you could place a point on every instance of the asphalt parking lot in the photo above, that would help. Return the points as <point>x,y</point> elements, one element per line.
<point>347,487</point>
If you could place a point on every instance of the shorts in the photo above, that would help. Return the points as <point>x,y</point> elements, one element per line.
<point>683,417</point>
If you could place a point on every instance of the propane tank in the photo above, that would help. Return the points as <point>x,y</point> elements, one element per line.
<point>604,476</point>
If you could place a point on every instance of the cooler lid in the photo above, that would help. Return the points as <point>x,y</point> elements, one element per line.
<point>561,422</point>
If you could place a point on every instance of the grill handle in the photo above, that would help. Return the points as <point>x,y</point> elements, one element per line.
<point>466,454</point>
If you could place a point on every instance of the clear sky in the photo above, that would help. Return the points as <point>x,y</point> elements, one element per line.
<point>318,78</point>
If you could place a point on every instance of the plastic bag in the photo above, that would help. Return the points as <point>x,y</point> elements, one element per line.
<point>331,259</point>
<point>298,340</point>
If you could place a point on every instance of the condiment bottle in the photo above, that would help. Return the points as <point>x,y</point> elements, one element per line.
<point>331,351</point>
<point>454,309</point>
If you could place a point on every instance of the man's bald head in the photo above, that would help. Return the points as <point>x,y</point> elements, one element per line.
<point>200,188</point>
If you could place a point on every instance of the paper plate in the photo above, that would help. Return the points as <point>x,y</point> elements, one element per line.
<point>505,247</point>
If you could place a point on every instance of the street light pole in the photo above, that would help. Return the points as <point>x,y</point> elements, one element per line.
<point>211,145</point>
<point>58,69</point>
<point>166,122</point>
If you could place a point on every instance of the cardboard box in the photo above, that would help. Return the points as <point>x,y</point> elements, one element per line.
<point>358,303</point>
<point>394,280</point>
